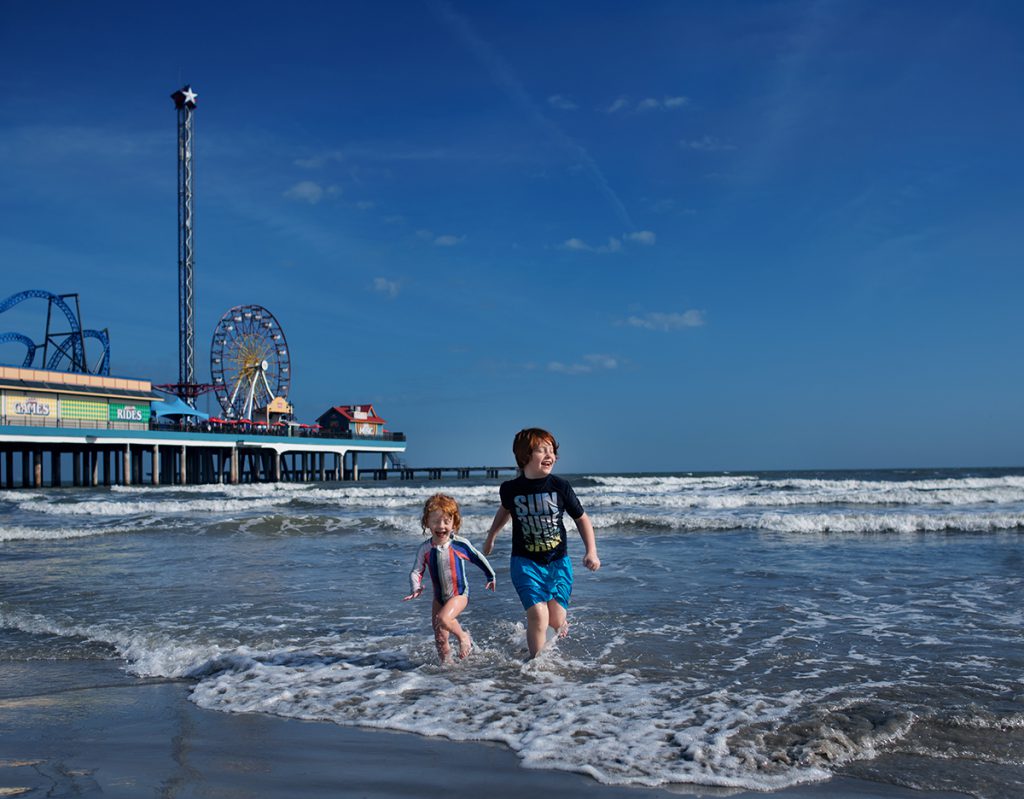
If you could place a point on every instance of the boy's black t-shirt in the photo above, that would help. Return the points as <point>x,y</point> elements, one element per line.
<point>537,507</point>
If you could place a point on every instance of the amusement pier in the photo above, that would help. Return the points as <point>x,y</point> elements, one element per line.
<point>60,428</point>
<point>65,420</point>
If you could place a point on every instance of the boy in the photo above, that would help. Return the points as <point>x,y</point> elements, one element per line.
<point>540,568</point>
<point>444,556</point>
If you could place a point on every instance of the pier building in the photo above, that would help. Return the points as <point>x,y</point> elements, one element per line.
<point>60,428</point>
<point>360,419</point>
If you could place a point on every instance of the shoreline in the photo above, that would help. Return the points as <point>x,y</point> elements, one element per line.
<point>128,738</point>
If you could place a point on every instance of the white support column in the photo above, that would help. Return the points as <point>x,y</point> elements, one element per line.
<point>127,471</point>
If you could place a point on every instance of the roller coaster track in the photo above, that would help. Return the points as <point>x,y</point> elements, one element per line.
<point>67,347</point>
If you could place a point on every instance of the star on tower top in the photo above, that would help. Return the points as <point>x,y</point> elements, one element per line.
<point>185,98</point>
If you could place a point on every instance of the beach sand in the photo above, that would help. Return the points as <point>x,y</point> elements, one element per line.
<point>134,738</point>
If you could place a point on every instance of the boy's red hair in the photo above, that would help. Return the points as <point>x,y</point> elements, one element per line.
<point>446,505</point>
<point>526,442</point>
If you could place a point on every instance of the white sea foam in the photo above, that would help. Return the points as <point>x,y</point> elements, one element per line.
<point>149,653</point>
<point>741,492</point>
<point>237,490</point>
<point>60,533</point>
<point>890,522</point>
<point>687,503</point>
<point>617,728</point>
<point>811,523</point>
<point>165,507</point>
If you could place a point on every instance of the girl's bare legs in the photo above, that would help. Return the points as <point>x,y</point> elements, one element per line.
<point>538,618</point>
<point>446,623</point>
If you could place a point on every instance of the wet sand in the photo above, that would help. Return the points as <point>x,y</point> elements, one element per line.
<point>131,738</point>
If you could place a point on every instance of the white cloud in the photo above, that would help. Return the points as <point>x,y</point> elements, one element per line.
<point>624,104</point>
<point>666,322</point>
<point>562,103</point>
<point>589,363</point>
<point>708,144</point>
<point>620,104</point>
<point>645,237</point>
<point>579,245</point>
<point>308,191</point>
<point>313,162</point>
<point>673,207</point>
<point>602,361</point>
<point>385,286</point>
<point>446,240</point>
<point>366,205</point>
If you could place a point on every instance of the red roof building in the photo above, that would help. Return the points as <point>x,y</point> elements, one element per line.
<point>359,420</point>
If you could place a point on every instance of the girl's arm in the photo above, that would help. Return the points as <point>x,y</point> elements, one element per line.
<point>500,520</point>
<point>482,563</point>
<point>416,575</point>
<point>590,559</point>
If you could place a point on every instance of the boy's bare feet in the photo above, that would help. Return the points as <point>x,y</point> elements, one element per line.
<point>563,631</point>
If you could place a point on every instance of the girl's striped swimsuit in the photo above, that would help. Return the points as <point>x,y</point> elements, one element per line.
<point>447,567</point>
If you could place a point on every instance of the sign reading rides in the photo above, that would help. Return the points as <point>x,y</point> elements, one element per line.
<point>119,412</point>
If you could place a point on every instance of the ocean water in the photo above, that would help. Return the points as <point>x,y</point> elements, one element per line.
<point>749,630</point>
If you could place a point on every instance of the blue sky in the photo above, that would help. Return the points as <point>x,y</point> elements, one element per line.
<point>680,235</point>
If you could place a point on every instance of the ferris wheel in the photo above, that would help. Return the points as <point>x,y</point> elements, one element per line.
<point>249,361</point>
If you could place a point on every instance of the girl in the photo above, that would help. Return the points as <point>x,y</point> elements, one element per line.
<point>445,557</point>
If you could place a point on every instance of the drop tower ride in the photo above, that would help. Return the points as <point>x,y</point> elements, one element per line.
<point>186,388</point>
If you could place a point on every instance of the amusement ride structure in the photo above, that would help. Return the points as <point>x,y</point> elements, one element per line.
<point>62,351</point>
<point>55,408</point>
<point>249,362</point>
<point>186,387</point>
<point>250,365</point>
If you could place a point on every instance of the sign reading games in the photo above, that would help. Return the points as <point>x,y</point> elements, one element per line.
<point>35,407</point>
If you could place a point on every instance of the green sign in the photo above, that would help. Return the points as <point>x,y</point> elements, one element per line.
<point>122,412</point>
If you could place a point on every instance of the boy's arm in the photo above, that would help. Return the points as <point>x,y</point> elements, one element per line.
<point>500,520</point>
<point>590,559</point>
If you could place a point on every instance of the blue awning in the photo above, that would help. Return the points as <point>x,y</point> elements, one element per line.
<point>175,406</point>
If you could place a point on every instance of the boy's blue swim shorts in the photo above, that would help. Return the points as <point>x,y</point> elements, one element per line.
<point>536,582</point>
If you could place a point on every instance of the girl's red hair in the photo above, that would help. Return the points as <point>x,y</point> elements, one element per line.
<point>446,505</point>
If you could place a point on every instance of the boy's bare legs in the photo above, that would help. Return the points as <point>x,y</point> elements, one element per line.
<point>538,618</point>
<point>536,627</point>
<point>446,623</point>
<point>557,618</point>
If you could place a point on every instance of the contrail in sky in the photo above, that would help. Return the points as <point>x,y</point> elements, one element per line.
<point>506,79</point>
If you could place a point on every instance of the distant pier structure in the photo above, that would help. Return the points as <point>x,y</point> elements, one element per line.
<point>58,428</point>
<point>80,428</point>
